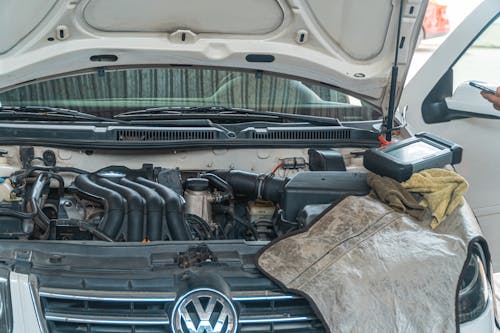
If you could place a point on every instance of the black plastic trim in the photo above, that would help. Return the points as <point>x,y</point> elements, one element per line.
<point>259,58</point>
<point>93,137</point>
<point>189,145</point>
<point>104,57</point>
<point>434,108</point>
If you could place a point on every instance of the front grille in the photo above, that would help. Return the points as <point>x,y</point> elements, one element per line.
<point>76,311</point>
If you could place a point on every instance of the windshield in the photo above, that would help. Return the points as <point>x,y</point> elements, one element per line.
<point>108,92</point>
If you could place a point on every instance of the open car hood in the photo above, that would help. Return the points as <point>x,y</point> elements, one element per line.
<point>349,44</point>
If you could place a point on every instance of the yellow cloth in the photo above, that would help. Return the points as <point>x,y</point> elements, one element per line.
<point>442,191</point>
<point>390,192</point>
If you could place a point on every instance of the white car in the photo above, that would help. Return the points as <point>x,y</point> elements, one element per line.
<point>440,100</point>
<point>151,151</point>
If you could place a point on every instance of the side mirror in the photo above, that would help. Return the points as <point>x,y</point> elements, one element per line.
<point>443,104</point>
<point>468,99</point>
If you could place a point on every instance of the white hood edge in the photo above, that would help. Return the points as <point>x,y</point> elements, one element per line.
<point>349,44</point>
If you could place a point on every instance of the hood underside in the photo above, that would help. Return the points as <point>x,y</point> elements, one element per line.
<point>349,44</point>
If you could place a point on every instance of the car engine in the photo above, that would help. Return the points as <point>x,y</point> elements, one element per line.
<point>152,203</point>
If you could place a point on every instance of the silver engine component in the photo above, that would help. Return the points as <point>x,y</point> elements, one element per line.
<point>199,199</point>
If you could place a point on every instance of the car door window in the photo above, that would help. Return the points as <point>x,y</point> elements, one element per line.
<point>481,61</point>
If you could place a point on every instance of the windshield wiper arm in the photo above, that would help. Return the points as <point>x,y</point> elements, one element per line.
<point>315,120</point>
<point>53,111</point>
<point>217,110</point>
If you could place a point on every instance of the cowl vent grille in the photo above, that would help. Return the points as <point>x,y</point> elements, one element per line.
<point>306,135</point>
<point>180,134</point>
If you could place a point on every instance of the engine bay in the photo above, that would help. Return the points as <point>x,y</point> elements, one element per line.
<point>49,199</point>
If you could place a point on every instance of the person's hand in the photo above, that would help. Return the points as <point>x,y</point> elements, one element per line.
<point>495,99</point>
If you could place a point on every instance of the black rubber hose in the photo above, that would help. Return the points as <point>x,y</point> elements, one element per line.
<point>174,210</point>
<point>94,231</point>
<point>115,210</point>
<point>14,213</point>
<point>220,184</point>
<point>135,208</point>
<point>154,207</point>
<point>203,230</point>
<point>249,226</point>
<point>39,216</point>
<point>18,175</point>
<point>255,186</point>
<point>40,182</point>
<point>60,180</point>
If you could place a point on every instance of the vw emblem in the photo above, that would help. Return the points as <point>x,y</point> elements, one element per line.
<point>204,311</point>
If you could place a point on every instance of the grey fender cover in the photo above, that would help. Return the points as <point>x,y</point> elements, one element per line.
<point>366,268</point>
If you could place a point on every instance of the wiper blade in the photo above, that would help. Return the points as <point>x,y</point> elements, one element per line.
<point>217,111</point>
<point>174,110</point>
<point>48,112</point>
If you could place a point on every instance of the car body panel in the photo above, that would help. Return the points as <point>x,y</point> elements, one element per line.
<point>317,40</point>
<point>479,137</point>
<point>25,310</point>
<point>65,39</point>
<point>484,323</point>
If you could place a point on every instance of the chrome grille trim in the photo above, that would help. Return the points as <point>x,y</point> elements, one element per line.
<point>259,308</point>
<point>272,319</point>
<point>83,319</point>
<point>105,296</point>
<point>263,298</point>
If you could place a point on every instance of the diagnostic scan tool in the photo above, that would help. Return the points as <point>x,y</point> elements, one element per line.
<point>400,160</point>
